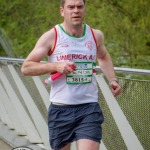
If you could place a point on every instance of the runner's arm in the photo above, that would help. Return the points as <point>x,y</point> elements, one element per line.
<point>105,62</point>
<point>32,65</point>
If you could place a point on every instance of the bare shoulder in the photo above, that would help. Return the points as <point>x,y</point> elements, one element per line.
<point>42,47</point>
<point>46,41</point>
<point>101,51</point>
<point>47,38</point>
<point>98,35</point>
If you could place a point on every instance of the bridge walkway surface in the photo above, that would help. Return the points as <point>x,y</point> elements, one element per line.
<point>4,146</point>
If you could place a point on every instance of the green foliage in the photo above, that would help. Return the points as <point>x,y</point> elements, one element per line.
<point>126,28</point>
<point>125,24</point>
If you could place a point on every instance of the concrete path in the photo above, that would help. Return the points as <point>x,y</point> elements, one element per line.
<point>11,137</point>
<point>4,146</point>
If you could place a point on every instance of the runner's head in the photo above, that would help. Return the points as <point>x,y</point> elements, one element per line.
<point>62,2</point>
<point>73,12</point>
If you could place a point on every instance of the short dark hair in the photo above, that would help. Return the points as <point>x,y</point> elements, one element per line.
<point>62,2</point>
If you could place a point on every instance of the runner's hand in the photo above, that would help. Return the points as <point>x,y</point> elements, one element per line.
<point>115,88</point>
<point>65,67</point>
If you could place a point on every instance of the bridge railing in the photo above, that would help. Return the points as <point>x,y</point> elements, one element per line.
<point>24,102</point>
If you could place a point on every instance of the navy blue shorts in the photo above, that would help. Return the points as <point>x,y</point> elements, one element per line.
<point>71,123</point>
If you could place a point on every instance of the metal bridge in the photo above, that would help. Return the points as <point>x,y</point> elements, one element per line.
<point>24,102</point>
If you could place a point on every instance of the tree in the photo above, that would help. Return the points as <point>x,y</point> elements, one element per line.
<point>125,24</point>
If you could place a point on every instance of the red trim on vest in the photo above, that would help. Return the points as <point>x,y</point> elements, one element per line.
<point>54,42</point>
<point>94,38</point>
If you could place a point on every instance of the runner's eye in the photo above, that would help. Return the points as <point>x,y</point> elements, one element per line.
<point>80,7</point>
<point>70,7</point>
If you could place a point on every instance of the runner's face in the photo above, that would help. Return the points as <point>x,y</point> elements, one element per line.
<point>73,11</point>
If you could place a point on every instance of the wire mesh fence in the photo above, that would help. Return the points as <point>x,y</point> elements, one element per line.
<point>134,102</point>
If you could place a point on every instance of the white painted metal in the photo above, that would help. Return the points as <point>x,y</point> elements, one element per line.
<point>23,116</point>
<point>117,69</point>
<point>18,126</point>
<point>124,127</point>
<point>42,90</point>
<point>4,116</point>
<point>73,146</point>
<point>8,122</point>
<point>39,121</point>
<point>102,146</point>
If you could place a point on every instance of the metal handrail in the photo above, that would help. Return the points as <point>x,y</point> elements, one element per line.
<point>117,69</point>
<point>12,60</point>
<point>130,70</point>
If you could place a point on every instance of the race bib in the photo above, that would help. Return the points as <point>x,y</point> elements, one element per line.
<point>82,74</point>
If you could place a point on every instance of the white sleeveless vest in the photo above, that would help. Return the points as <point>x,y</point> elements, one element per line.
<point>74,49</point>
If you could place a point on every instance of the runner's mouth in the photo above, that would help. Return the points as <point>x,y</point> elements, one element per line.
<point>77,17</point>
